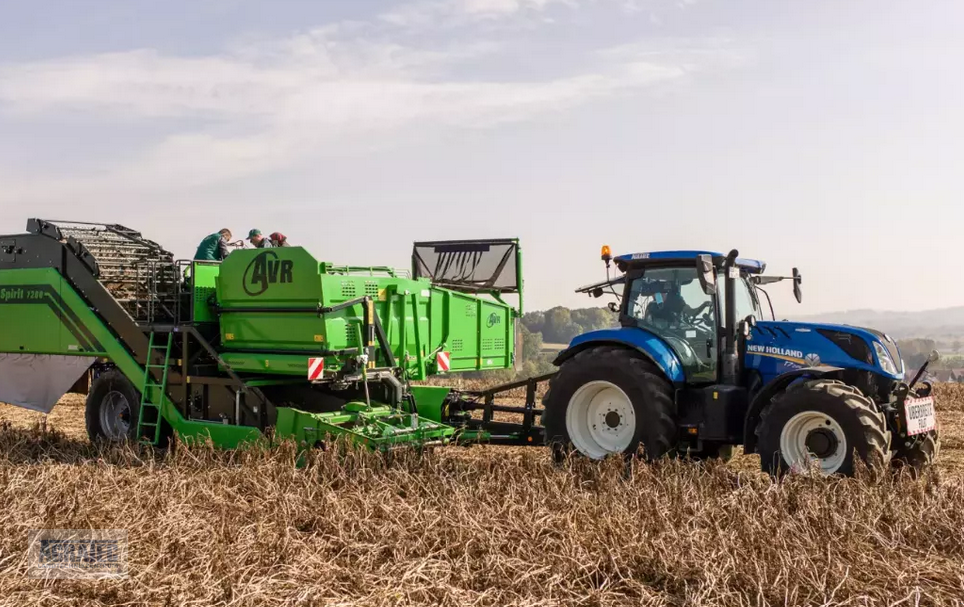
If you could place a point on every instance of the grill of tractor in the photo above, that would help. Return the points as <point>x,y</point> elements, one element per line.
<point>138,272</point>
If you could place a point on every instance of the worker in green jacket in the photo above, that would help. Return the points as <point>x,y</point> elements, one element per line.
<point>214,247</point>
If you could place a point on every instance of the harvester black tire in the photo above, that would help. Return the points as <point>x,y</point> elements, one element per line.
<point>919,455</point>
<point>107,383</point>
<point>649,392</point>
<point>864,427</point>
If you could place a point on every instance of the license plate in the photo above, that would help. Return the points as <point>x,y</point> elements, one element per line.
<point>919,415</point>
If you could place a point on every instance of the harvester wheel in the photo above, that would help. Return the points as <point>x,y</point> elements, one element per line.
<point>606,401</point>
<point>112,408</point>
<point>919,455</point>
<point>822,422</point>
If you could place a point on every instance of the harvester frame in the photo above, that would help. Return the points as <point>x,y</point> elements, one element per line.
<point>174,356</point>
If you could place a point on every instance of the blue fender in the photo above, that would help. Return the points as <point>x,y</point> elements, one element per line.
<point>641,340</point>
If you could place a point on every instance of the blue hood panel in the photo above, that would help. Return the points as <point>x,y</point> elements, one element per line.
<point>778,347</point>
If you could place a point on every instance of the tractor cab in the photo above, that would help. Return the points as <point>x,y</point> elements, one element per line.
<point>679,296</point>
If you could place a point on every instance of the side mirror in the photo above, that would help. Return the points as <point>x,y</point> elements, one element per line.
<point>797,279</point>
<point>934,356</point>
<point>707,274</point>
<point>747,325</point>
<point>596,293</point>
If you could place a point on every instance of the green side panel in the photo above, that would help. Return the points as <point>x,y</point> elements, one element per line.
<point>222,435</point>
<point>429,400</point>
<point>419,320</point>
<point>41,314</point>
<point>203,286</point>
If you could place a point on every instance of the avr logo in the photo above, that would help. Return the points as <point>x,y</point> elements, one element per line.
<point>265,270</point>
<point>494,319</point>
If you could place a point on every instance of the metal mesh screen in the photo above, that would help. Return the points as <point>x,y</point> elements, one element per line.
<point>137,272</point>
<point>468,265</point>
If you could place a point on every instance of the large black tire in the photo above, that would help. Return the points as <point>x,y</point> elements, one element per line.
<point>112,398</point>
<point>649,392</point>
<point>847,423</point>
<point>919,455</point>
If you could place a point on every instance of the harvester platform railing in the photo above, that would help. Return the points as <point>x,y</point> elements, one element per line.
<point>152,392</point>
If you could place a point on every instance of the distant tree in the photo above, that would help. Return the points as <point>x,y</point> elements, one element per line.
<point>915,351</point>
<point>557,326</point>
<point>535,322</point>
<point>531,344</point>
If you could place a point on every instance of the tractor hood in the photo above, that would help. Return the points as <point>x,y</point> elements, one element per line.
<point>775,347</point>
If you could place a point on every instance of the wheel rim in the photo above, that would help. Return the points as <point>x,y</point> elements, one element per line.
<point>115,416</point>
<point>600,419</point>
<point>812,436</point>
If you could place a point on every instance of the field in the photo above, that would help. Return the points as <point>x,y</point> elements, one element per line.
<point>476,526</point>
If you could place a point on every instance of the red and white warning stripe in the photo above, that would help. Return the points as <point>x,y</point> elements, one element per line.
<point>315,368</point>
<point>442,361</point>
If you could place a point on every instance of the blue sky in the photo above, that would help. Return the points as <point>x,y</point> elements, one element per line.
<point>821,134</point>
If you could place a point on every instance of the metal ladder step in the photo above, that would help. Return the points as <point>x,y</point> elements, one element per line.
<point>152,392</point>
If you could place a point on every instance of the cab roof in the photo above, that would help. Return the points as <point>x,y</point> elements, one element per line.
<point>632,259</point>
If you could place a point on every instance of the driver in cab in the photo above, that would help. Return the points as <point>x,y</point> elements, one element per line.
<point>671,309</point>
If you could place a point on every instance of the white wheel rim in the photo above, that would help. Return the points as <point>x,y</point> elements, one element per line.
<point>600,419</point>
<point>823,433</point>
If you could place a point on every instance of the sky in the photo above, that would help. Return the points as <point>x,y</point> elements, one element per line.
<point>816,134</point>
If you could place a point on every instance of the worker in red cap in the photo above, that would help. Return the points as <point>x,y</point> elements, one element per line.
<point>278,239</point>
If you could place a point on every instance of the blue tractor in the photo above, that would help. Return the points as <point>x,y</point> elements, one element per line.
<point>695,369</point>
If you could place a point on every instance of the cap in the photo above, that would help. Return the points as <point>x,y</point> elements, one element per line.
<point>253,233</point>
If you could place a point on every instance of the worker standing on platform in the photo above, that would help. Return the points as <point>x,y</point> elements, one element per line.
<point>214,247</point>
<point>257,240</point>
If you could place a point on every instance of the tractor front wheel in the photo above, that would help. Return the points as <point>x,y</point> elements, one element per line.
<point>112,408</point>
<point>822,423</point>
<point>607,401</point>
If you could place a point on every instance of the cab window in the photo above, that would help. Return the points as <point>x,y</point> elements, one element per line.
<point>746,299</point>
<point>670,303</point>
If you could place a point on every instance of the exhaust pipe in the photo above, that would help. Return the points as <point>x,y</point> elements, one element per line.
<point>731,363</point>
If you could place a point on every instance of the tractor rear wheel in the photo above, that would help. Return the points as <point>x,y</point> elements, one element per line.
<point>112,408</point>
<point>919,455</point>
<point>822,422</point>
<point>607,401</point>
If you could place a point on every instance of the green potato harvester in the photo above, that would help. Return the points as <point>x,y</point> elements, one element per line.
<point>269,343</point>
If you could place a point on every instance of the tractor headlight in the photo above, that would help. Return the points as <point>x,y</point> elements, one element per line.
<point>886,362</point>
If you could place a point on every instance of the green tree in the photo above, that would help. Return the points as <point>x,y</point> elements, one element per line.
<point>531,344</point>
<point>557,326</point>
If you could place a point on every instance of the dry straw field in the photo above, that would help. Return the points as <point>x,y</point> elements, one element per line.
<point>477,526</point>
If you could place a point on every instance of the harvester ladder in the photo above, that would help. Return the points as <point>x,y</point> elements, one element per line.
<point>152,393</point>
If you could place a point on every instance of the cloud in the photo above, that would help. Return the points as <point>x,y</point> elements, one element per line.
<point>272,104</point>
<point>450,13</point>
